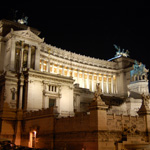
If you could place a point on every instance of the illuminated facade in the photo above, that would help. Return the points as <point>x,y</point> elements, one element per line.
<point>36,76</point>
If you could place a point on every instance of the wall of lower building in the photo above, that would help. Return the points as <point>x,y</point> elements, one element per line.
<point>35,94</point>
<point>66,100</point>
<point>73,132</point>
<point>43,123</point>
<point>77,133</point>
<point>7,130</point>
<point>118,122</point>
<point>42,87</point>
<point>7,122</point>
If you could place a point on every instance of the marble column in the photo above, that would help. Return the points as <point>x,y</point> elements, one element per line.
<point>92,82</point>
<point>37,59</point>
<point>63,68</point>
<point>83,85</point>
<point>72,72</point>
<point>48,64</point>
<point>58,68</point>
<point>20,96</point>
<point>78,77</point>
<point>21,92</point>
<point>52,65</point>
<point>116,86</point>
<point>68,71</point>
<point>102,83</point>
<point>2,53</point>
<point>12,55</point>
<point>29,57</point>
<point>107,86</point>
<point>21,59</point>
<point>98,78</point>
<point>112,85</point>
<point>88,81</point>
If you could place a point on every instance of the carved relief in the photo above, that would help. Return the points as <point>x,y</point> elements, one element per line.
<point>131,130</point>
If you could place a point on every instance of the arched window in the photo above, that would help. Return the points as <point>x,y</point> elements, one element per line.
<point>135,78</point>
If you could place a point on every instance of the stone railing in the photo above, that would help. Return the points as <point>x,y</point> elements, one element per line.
<point>122,122</point>
<point>40,113</point>
<point>80,122</point>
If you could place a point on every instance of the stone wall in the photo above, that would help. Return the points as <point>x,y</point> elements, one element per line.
<point>119,122</point>
<point>78,123</point>
<point>77,132</point>
<point>7,122</point>
<point>42,122</point>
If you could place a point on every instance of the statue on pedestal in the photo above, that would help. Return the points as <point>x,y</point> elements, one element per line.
<point>98,92</point>
<point>145,107</point>
<point>97,102</point>
<point>145,100</point>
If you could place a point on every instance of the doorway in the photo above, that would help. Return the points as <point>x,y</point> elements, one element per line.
<point>32,139</point>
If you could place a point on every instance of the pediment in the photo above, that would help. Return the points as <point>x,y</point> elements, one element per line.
<point>27,34</point>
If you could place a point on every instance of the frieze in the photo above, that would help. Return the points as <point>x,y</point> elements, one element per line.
<point>27,34</point>
<point>55,78</point>
<point>46,78</point>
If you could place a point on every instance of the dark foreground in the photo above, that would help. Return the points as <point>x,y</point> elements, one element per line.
<point>7,145</point>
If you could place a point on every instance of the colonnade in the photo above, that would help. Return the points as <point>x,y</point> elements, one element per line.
<point>24,55</point>
<point>85,79</point>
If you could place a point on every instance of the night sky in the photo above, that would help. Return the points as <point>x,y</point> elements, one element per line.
<point>91,29</point>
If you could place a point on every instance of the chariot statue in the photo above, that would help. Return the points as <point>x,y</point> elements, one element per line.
<point>23,20</point>
<point>121,52</point>
<point>139,70</point>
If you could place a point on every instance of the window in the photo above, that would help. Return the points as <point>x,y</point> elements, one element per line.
<point>52,102</point>
<point>49,87</point>
<point>13,93</point>
<point>52,88</point>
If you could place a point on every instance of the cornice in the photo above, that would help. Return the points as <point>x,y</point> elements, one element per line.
<point>49,76</point>
<point>77,65</point>
<point>57,52</point>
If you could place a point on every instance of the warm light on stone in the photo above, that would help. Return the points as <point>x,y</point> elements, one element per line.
<point>56,99</point>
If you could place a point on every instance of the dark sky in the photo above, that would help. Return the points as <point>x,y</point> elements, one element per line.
<point>91,29</point>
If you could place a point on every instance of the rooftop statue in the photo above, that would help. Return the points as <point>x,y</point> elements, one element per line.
<point>23,20</point>
<point>20,18</point>
<point>121,52</point>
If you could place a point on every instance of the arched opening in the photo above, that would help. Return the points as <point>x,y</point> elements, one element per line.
<point>143,77</point>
